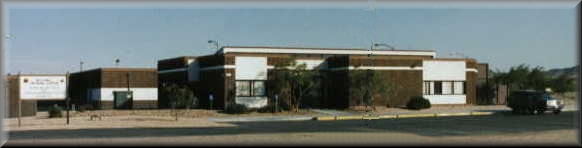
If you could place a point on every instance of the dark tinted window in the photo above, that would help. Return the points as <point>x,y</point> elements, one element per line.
<point>438,87</point>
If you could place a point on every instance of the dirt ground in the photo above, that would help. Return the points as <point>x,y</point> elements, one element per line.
<point>193,113</point>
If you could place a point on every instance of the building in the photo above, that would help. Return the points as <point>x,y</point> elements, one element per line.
<point>241,75</point>
<point>115,88</point>
<point>28,107</point>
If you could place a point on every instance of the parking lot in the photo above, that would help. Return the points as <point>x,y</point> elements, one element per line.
<point>498,129</point>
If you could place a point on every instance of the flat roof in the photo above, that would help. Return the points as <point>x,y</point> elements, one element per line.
<point>451,59</point>
<point>117,69</point>
<point>317,48</point>
<point>335,51</point>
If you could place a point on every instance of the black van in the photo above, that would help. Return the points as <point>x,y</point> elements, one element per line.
<point>533,102</point>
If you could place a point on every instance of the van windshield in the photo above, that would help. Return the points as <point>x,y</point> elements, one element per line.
<point>548,97</point>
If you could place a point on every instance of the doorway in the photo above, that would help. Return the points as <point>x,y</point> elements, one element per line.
<point>122,99</point>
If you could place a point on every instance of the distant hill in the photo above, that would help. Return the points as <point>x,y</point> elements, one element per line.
<point>572,71</point>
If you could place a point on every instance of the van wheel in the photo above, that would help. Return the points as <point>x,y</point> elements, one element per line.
<point>557,111</point>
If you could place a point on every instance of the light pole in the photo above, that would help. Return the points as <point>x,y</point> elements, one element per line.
<point>216,45</point>
<point>117,62</point>
<point>19,102</point>
<point>68,101</point>
<point>81,67</point>
<point>129,94</point>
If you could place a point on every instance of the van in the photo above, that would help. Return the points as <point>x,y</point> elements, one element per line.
<point>533,102</point>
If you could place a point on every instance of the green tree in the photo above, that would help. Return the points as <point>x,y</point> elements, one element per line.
<point>292,81</point>
<point>373,82</point>
<point>536,79</point>
<point>181,97</point>
<point>517,77</point>
<point>563,83</point>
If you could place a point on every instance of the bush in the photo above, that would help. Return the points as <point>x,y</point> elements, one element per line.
<point>417,103</point>
<point>236,109</point>
<point>269,109</point>
<point>55,112</point>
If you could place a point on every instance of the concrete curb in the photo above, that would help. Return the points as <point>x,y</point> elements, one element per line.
<point>374,117</point>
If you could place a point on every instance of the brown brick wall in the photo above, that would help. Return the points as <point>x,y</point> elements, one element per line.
<point>471,86</point>
<point>471,63</point>
<point>211,60</point>
<point>373,61</point>
<point>173,63</point>
<point>135,104</point>
<point>212,81</point>
<point>79,83</point>
<point>338,61</point>
<point>137,79</point>
<point>483,71</point>
<point>338,90</point>
<point>28,107</point>
<point>107,78</point>
<point>173,77</point>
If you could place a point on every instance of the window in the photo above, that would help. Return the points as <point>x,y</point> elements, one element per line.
<point>243,88</point>
<point>444,87</point>
<point>250,88</point>
<point>447,88</point>
<point>459,88</point>
<point>259,88</point>
<point>438,87</point>
<point>427,87</point>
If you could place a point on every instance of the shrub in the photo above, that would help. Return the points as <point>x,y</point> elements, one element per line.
<point>269,109</point>
<point>417,103</point>
<point>55,112</point>
<point>236,109</point>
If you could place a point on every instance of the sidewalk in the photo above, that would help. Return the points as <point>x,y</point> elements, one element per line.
<point>267,118</point>
<point>329,114</point>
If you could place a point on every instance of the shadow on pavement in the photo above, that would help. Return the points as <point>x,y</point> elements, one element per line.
<point>430,126</point>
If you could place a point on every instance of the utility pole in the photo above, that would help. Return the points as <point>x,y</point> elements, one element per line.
<point>19,102</point>
<point>81,67</point>
<point>129,94</point>
<point>68,99</point>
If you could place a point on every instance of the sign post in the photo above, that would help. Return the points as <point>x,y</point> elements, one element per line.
<point>211,98</point>
<point>68,98</point>
<point>276,103</point>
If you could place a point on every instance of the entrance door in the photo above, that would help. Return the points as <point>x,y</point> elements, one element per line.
<point>122,99</point>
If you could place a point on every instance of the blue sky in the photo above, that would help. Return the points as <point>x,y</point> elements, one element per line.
<point>55,40</point>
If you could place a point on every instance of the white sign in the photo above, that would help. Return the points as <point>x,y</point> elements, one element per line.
<point>43,87</point>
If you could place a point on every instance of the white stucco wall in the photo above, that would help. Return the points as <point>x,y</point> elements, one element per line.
<point>252,102</point>
<point>139,94</point>
<point>251,68</point>
<point>311,64</point>
<point>443,70</point>
<point>446,99</point>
